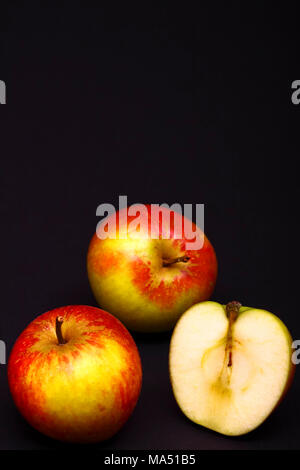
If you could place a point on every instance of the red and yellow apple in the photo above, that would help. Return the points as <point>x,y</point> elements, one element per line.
<point>149,282</point>
<point>230,366</point>
<point>75,374</point>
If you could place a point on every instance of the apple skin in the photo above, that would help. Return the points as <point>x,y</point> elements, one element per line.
<point>128,278</point>
<point>81,391</point>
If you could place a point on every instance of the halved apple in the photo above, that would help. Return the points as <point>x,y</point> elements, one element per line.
<point>229,365</point>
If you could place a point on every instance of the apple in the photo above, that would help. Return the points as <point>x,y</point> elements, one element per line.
<point>75,374</point>
<point>149,282</point>
<point>229,366</point>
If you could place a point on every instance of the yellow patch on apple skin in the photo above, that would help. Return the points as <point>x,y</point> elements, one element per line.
<point>136,288</point>
<point>83,401</point>
<point>116,292</point>
<point>93,381</point>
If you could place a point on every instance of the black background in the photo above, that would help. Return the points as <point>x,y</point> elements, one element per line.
<point>162,104</point>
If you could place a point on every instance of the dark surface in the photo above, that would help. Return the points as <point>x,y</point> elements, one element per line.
<point>163,106</point>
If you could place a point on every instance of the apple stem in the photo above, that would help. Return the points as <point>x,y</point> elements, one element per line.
<point>181,259</point>
<point>59,321</point>
<point>232,310</point>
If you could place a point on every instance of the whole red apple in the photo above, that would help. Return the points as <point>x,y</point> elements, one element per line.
<point>145,270</point>
<point>75,374</point>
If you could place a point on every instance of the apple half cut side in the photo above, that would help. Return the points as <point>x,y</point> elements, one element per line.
<point>229,365</point>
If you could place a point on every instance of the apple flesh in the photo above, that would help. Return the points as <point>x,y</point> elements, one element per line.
<point>148,283</point>
<point>75,374</point>
<point>229,366</point>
